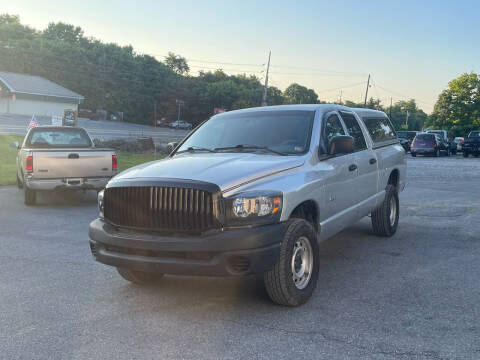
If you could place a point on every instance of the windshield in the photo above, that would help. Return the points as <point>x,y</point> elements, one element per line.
<point>285,131</point>
<point>474,134</point>
<point>58,138</point>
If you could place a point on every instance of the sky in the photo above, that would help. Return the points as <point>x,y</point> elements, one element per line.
<point>412,49</point>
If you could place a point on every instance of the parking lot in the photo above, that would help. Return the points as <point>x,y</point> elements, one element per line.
<point>100,129</point>
<point>415,295</point>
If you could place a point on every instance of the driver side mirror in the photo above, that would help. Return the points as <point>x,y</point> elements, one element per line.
<point>171,146</point>
<point>14,144</point>
<point>342,144</point>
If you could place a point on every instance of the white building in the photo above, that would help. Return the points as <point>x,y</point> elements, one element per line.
<point>33,95</point>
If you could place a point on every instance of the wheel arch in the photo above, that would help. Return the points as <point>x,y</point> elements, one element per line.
<point>308,210</point>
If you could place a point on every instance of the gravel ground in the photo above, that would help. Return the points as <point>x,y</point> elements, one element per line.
<point>413,296</point>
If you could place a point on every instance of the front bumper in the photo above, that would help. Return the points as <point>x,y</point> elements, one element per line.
<point>67,183</point>
<point>224,253</point>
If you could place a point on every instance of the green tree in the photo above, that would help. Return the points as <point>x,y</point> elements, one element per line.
<point>177,63</point>
<point>458,107</point>
<point>63,32</point>
<point>298,94</point>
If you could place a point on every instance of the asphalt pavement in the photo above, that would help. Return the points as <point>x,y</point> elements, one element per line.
<point>101,129</point>
<point>413,296</point>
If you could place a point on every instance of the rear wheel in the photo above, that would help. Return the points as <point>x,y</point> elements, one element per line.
<point>138,277</point>
<point>413,154</point>
<point>465,154</point>
<point>19,183</point>
<point>294,277</point>
<point>385,218</point>
<point>30,196</point>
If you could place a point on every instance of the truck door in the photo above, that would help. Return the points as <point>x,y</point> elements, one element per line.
<point>367,165</point>
<point>340,182</point>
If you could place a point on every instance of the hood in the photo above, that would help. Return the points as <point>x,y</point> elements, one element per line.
<point>227,170</point>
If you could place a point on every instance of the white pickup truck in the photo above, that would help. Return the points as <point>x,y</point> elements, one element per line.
<point>61,158</point>
<point>253,191</point>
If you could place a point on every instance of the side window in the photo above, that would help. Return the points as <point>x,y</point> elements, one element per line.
<point>333,127</point>
<point>380,129</point>
<point>354,130</point>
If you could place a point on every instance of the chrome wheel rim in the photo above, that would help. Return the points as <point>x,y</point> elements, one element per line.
<point>302,262</point>
<point>393,210</point>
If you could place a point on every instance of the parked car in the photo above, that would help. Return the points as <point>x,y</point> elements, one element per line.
<point>447,138</point>
<point>471,144</point>
<point>428,144</point>
<point>253,191</point>
<point>87,113</point>
<point>406,138</point>
<point>61,158</point>
<point>459,141</point>
<point>180,124</point>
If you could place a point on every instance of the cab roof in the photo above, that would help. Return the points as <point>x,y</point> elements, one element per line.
<point>312,107</point>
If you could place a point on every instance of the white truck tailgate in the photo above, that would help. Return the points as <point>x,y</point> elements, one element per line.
<point>57,164</point>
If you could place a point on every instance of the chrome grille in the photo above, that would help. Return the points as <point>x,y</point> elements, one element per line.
<point>160,208</point>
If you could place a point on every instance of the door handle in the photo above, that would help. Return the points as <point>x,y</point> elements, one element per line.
<point>73,156</point>
<point>352,167</point>
<point>373,161</point>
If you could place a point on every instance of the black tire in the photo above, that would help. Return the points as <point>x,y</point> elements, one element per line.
<point>138,277</point>
<point>381,217</point>
<point>465,154</point>
<point>413,154</point>
<point>454,152</point>
<point>19,183</point>
<point>448,153</point>
<point>279,281</point>
<point>476,155</point>
<point>30,196</point>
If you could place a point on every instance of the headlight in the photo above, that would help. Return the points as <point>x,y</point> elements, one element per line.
<point>100,204</point>
<point>254,208</point>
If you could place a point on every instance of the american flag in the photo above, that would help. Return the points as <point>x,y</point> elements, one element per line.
<point>33,123</point>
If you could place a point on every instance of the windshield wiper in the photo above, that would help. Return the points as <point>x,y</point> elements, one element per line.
<point>195,148</point>
<point>250,147</point>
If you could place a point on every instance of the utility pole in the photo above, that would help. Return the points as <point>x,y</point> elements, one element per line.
<point>406,120</point>
<point>341,93</point>
<point>180,103</point>
<point>390,112</point>
<point>366,92</point>
<point>264,99</point>
<point>155,114</point>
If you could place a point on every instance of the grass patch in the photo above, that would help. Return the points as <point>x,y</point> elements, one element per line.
<point>8,162</point>
<point>8,155</point>
<point>127,160</point>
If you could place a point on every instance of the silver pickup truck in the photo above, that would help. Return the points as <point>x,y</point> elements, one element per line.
<point>54,158</point>
<point>253,192</point>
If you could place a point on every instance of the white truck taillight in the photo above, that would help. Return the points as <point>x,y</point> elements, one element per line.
<point>29,164</point>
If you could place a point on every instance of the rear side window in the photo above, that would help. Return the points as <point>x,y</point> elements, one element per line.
<point>354,130</point>
<point>380,129</point>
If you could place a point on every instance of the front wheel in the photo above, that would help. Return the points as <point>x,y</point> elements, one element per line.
<point>465,154</point>
<point>413,154</point>
<point>294,277</point>
<point>385,218</point>
<point>138,277</point>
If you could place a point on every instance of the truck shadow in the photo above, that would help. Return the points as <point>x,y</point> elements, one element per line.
<point>61,198</point>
